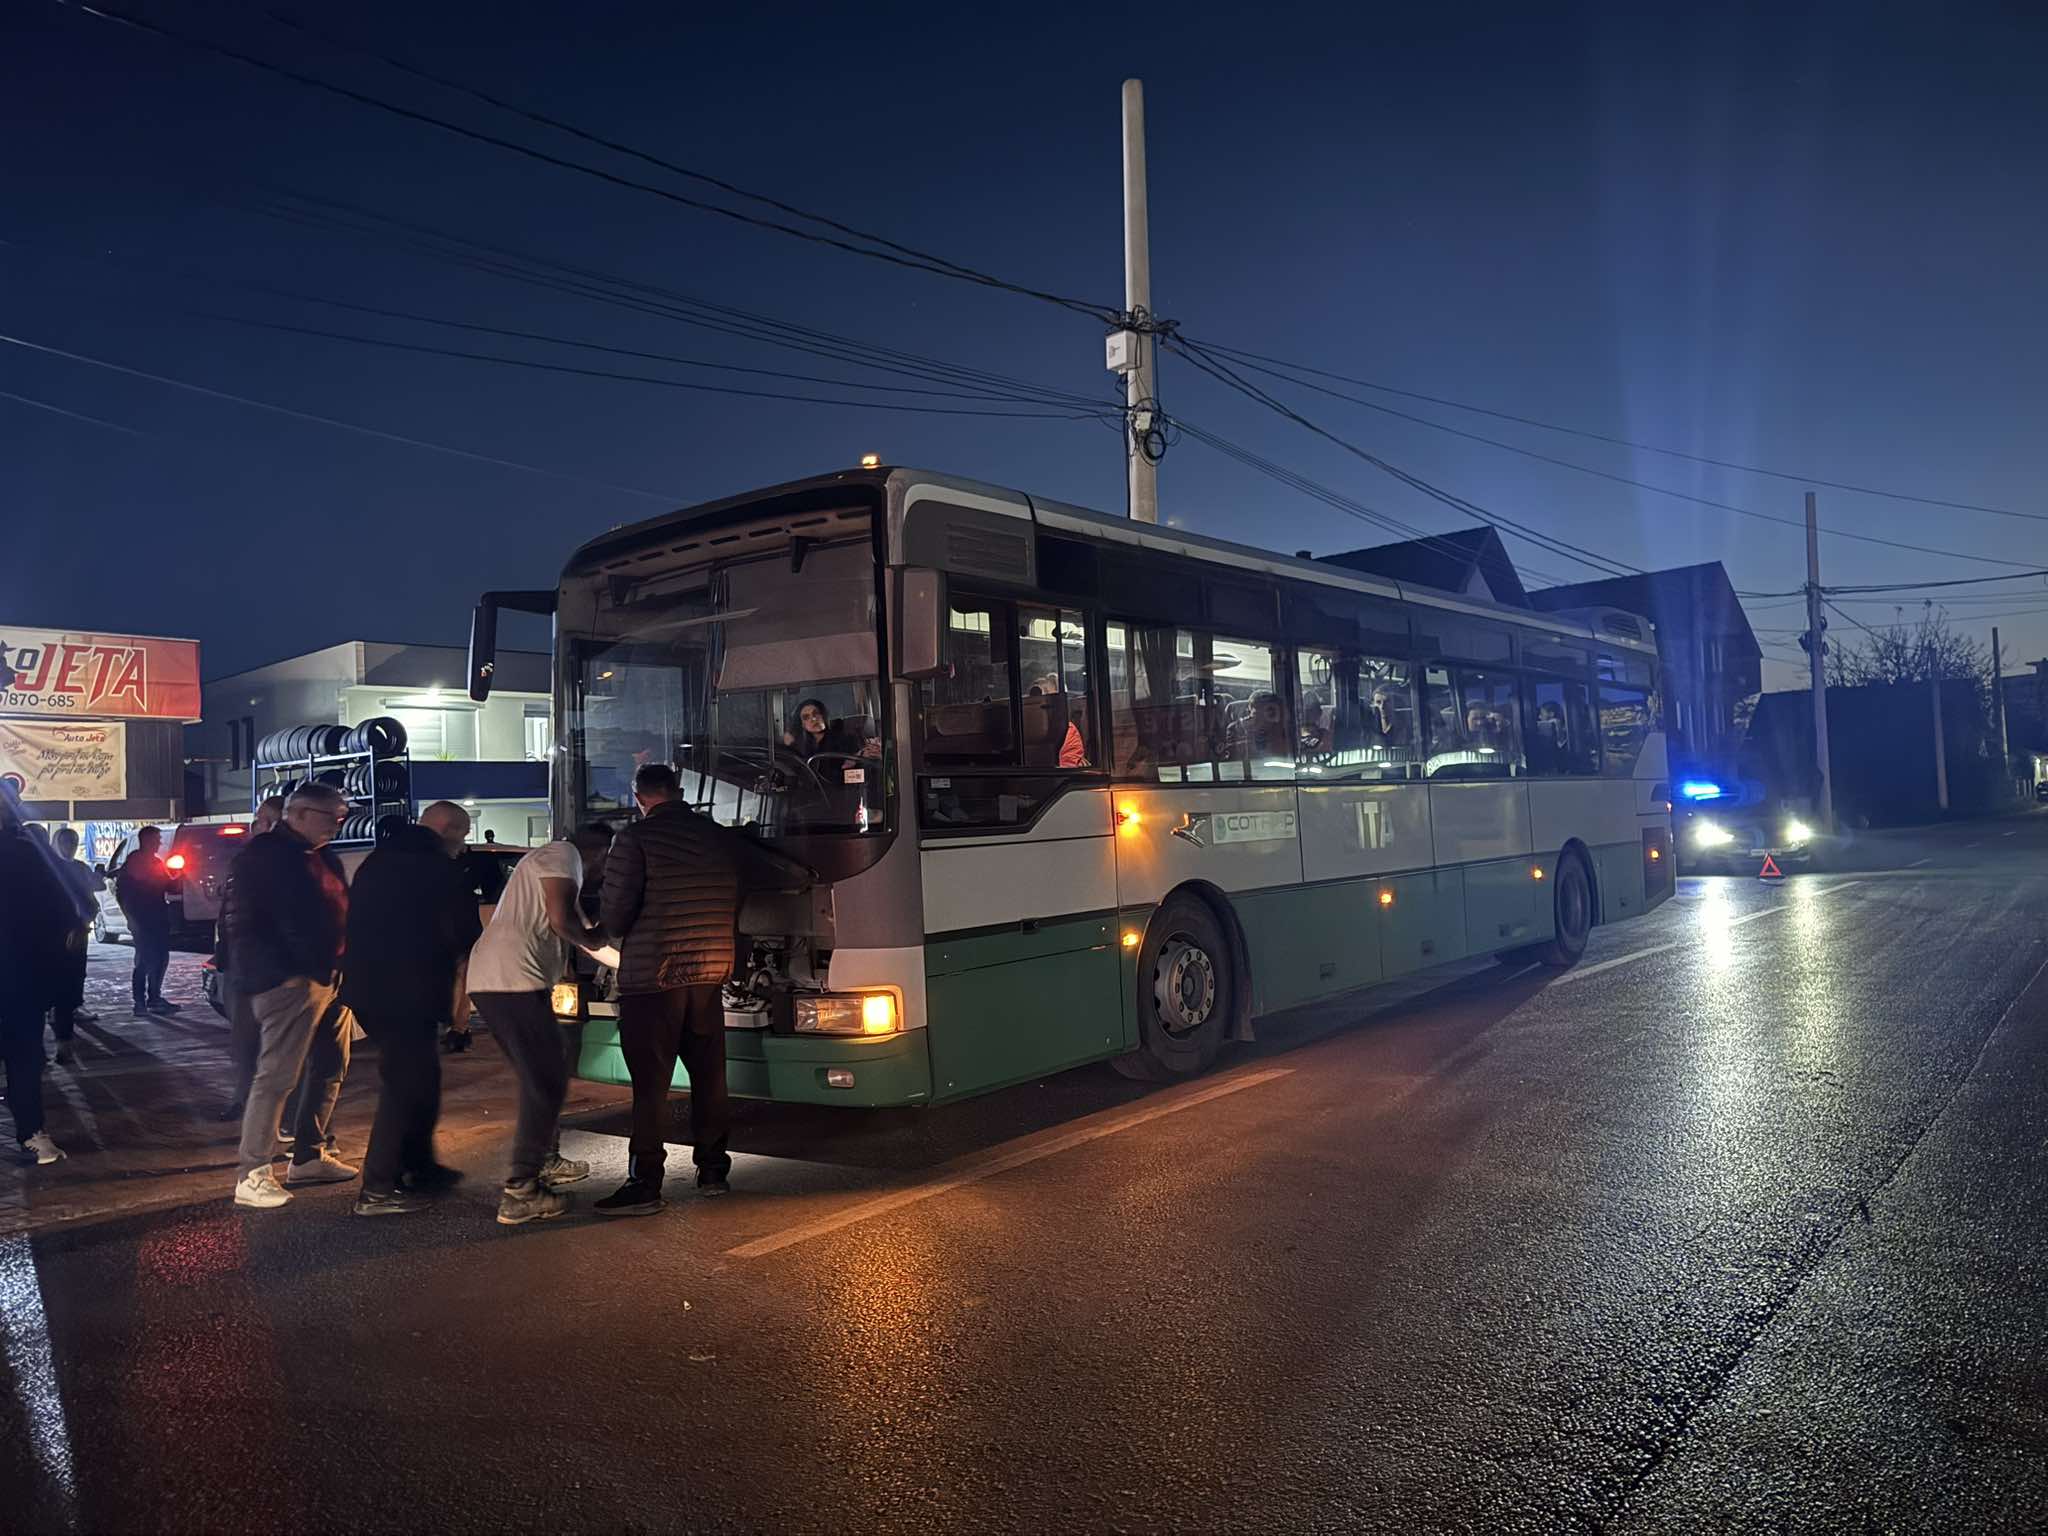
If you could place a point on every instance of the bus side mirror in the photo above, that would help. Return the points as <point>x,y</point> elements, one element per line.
<point>920,625</point>
<point>483,633</point>
<point>483,648</point>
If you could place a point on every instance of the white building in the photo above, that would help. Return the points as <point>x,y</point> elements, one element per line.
<point>491,757</point>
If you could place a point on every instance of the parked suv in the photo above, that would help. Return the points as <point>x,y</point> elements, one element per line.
<point>197,854</point>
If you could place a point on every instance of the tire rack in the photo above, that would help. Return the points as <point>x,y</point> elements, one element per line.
<point>308,768</point>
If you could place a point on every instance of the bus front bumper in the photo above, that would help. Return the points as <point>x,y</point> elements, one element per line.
<point>792,1069</point>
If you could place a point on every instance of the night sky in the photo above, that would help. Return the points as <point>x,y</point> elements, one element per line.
<point>1807,240</point>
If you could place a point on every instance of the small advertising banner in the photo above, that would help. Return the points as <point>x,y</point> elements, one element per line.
<point>64,762</point>
<point>63,674</point>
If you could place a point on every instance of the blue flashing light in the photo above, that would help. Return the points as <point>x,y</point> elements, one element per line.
<point>1700,789</point>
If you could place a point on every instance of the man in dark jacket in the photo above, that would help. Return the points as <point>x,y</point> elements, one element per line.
<point>36,921</point>
<point>672,888</point>
<point>243,1037</point>
<point>286,931</point>
<point>412,917</point>
<point>142,887</point>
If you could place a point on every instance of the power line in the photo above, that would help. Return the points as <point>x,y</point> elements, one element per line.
<point>1103,313</point>
<point>648,378</point>
<point>58,410</point>
<point>1619,442</point>
<point>476,93</point>
<point>1602,474</point>
<point>1337,499</point>
<point>1919,586</point>
<point>1196,356</point>
<point>329,421</point>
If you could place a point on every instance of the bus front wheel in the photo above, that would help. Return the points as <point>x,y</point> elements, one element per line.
<point>1186,994</point>
<point>1573,898</point>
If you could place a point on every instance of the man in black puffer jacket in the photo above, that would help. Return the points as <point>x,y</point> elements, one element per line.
<point>672,889</point>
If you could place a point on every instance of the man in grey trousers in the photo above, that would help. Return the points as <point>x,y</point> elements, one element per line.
<point>286,930</point>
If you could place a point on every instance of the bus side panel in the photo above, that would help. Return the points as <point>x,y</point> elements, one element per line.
<point>1009,1006</point>
<point>1619,869</point>
<point>1424,923</point>
<point>1598,812</point>
<point>1484,828</point>
<point>1310,942</point>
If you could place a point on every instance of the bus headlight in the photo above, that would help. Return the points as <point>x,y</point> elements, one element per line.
<point>865,1013</point>
<point>565,1000</point>
<point>1797,831</point>
<point>1705,834</point>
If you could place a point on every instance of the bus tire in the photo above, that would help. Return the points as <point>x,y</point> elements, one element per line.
<point>1572,904</point>
<point>1186,993</point>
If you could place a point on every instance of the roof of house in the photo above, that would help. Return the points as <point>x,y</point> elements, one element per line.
<point>1674,600</point>
<point>1472,561</point>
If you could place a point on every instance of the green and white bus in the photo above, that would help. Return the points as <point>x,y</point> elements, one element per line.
<point>1076,788</point>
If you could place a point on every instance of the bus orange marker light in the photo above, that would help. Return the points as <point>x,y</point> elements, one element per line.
<point>1536,873</point>
<point>1656,854</point>
<point>1386,898</point>
<point>1127,818</point>
<point>1130,941</point>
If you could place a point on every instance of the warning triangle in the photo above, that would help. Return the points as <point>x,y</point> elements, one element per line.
<point>1770,871</point>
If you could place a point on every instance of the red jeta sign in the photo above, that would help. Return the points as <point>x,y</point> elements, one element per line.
<point>64,674</point>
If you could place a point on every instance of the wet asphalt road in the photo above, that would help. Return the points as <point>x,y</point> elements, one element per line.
<point>1739,1226</point>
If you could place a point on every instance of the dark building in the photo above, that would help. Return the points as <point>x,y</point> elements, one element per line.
<point>1471,562</point>
<point>1881,750</point>
<point>1709,653</point>
<point>2026,709</point>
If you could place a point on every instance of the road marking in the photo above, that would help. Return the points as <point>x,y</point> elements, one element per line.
<point>1581,973</point>
<point>1918,862</point>
<point>996,1161</point>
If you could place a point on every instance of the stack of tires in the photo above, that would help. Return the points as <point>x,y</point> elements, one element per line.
<point>368,788</point>
<point>390,781</point>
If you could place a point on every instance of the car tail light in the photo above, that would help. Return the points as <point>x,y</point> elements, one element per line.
<point>175,863</point>
<point>234,831</point>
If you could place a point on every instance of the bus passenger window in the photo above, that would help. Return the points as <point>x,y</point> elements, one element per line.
<point>1357,716</point>
<point>1625,724</point>
<point>1052,650</point>
<point>1196,708</point>
<point>1561,738</point>
<point>967,716</point>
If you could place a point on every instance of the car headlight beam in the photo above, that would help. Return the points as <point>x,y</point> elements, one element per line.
<point>1797,831</point>
<point>1707,834</point>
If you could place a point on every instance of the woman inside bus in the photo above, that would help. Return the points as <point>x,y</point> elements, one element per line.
<point>816,732</point>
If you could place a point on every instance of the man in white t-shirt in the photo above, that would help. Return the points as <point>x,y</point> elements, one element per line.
<point>522,954</point>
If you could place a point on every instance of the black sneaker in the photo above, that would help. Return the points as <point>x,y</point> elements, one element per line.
<point>230,1112</point>
<point>158,1005</point>
<point>65,1056</point>
<point>432,1179</point>
<point>710,1184</point>
<point>388,1202</point>
<point>632,1198</point>
<point>455,1042</point>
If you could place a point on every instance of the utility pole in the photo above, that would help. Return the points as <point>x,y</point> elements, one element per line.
<point>1816,627</point>
<point>1144,442</point>
<point>1940,746</point>
<point>1998,706</point>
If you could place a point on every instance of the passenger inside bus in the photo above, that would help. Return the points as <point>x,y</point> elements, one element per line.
<point>1057,710</point>
<point>814,732</point>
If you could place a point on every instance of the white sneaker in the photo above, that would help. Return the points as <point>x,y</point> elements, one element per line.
<point>261,1190</point>
<point>43,1149</point>
<point>324,1169</point>
<point>559,1170</point>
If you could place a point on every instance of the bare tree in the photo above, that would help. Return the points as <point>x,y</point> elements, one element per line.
<point>1907,653</point>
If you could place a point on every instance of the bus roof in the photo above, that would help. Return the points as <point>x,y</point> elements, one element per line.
<point>903,487</point>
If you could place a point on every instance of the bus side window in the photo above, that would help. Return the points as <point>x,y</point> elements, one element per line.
<point>1445,724</point>
<point>1561,738</point>
<point>1625,721</point>
<point>967,713</point>
<point>1052,654</point>
<point>1357,716</point>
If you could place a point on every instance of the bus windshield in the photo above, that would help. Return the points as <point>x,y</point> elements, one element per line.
<point>759,680</point>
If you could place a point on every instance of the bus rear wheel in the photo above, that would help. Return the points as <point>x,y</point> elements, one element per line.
<point>1186,994</point>
<point>1572,897</point>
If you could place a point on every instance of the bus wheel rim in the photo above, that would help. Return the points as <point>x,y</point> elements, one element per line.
<point>1184,985</point>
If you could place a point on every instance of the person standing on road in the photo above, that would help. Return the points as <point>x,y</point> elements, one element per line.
<point>143,889</point>
<point>36,917</point>
<point>511,972</point>
<point>412,917</point>
<point>672,890</point>
<point>84,883</point>
<point>242,1031</point>
<point>285,946</point>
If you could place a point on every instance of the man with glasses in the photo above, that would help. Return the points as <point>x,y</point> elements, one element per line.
<point>285,936</point>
